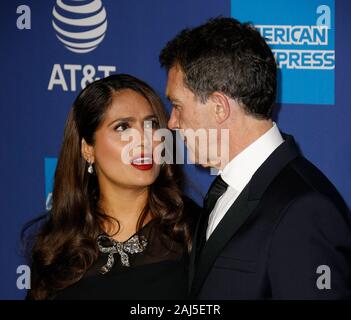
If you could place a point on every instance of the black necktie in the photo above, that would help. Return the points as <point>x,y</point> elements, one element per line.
<point>217,188</point>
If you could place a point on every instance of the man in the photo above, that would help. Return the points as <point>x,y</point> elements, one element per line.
<point>275,227</point>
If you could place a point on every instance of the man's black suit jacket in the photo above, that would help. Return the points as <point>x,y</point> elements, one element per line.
<point>278,239</point>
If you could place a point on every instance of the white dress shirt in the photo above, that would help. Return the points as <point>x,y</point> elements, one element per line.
<point>239,171</point>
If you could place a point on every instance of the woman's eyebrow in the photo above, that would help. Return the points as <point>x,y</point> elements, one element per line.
<point>132,119</point>
<point>151,116</point>
<point>124,119</point>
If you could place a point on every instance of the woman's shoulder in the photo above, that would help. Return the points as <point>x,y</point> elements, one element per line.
<point>190,204</point>
<point>192,211</point>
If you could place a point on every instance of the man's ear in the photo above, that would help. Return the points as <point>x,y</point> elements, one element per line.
<point>221,106</point>
<point>87,151</point>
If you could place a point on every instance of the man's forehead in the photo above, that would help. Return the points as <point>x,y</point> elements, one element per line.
<point>174,81</point>
<point>176,71</point>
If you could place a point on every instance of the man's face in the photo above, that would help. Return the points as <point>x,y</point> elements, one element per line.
<point>187,111</point>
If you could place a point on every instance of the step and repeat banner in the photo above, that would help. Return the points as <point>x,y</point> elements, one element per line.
<point>51,49</point>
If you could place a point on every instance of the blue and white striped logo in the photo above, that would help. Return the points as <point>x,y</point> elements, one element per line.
<point>79,24</point>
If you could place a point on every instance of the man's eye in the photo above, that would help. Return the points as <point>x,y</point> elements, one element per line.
<point>121,127</point>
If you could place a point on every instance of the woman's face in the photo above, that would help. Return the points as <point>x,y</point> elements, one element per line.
<point>122,155</point>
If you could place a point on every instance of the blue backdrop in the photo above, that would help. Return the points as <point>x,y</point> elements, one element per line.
<point>44,65</point>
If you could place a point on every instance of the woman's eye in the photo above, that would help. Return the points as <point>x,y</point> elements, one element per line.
<point>121,127</point>
<point>152,124</point>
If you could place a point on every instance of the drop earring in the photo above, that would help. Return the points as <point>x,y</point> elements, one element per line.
<point>90,168</point>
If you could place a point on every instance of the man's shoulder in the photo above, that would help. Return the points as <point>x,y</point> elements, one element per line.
<point>306,190</point>
<point>314,184</point>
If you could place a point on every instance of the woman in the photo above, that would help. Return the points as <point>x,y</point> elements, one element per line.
<point>118,228</point>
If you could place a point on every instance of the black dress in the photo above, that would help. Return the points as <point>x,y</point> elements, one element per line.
<point>146,266</point>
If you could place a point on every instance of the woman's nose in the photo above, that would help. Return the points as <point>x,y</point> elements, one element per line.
<point>146,138</point>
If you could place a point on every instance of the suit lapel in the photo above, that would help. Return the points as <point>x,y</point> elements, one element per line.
<point>236,216</point>
<point>195,245</point>
<point>238,213</point>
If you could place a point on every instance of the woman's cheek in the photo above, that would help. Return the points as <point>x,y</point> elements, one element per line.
<point>109,152</point>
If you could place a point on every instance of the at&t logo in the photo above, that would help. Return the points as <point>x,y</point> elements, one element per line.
<point>79,24</point>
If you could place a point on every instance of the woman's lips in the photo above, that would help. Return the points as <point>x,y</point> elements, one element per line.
<point>143,162</point>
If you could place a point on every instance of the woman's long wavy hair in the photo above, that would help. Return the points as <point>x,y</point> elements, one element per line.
<point>65,245</point>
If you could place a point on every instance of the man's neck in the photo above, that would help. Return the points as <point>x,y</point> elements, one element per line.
<point>240,137</point>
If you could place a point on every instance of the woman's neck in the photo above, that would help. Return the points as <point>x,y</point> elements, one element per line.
<point>124,205</point>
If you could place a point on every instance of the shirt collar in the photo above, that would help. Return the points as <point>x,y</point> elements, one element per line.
<point>239,171</point>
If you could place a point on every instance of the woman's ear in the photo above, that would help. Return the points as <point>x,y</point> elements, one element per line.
<point>87,151</point>
<point>221,107</point>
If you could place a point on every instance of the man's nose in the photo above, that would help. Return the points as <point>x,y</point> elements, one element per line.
<point>173,122</point>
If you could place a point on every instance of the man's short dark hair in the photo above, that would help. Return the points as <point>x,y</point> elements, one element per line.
<point>227,56</point>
